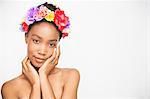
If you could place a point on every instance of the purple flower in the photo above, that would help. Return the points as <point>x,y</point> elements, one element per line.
<point>68,24</point>
<point>31,14</point>
<point>20,28</point>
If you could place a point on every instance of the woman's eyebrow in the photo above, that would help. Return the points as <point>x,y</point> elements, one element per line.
<point>53,40</point>
<point>36,36</point>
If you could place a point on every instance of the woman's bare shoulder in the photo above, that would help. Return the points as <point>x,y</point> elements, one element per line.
<point>70,70</point>
<point>71,78</point>
<point>11,87</point>
<point>70,74</point>
<point>11,83</point>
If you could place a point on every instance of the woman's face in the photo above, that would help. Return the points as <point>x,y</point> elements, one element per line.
<point>41,41</point>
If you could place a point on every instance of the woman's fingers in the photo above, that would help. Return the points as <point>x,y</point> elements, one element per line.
<point>29,65</point>
<point>23,71</point>
<point>31,68</point>
<point>58,52</point>
<point>48,64</point>
<point>50,60</point>
<point>57,55</point>
<point>24,64</point>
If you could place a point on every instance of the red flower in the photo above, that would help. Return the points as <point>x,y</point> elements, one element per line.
<point>25,27</point>
<point>64,35</point>
<point>60,19</point>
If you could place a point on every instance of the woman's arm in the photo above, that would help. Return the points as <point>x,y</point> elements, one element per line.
<point>33,77</point>
<point>35,91</point>
<point>46,88</point>
<point>71,85</point>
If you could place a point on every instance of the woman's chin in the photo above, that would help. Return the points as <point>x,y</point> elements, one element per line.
<point>36,65</point>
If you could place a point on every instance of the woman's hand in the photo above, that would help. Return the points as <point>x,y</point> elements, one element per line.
<point>29,71</point>
<point>50,63</point>
<point>45,69</point>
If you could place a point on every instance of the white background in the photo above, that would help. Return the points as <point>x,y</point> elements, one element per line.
<point>109,44</point>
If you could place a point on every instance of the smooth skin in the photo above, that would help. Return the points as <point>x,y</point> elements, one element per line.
<point>47,81</point>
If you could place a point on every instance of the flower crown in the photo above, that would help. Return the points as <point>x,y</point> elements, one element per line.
<point>42,12</point>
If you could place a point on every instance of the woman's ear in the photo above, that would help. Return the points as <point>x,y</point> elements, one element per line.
<point>26,38</point>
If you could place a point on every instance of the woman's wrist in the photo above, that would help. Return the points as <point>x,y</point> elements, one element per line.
<point>43,76</point>
<point>36,82</point>
<point>36,85</point>
<point>43,73</point>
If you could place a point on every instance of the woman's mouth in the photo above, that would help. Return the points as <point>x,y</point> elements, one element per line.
<point>39,60</point>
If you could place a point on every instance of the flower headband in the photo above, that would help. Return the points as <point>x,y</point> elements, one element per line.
<point>42,12</point>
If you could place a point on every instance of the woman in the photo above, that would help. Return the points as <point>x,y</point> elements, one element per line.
<point>44,26</point>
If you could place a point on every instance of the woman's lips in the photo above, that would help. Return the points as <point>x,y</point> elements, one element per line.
<point>39,60</point>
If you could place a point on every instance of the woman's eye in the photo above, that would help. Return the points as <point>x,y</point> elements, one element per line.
<point>36,41</point>
<point>52,45</point>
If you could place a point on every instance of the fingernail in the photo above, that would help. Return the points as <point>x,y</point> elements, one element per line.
<point>58,44</point>
<point>55,49</point>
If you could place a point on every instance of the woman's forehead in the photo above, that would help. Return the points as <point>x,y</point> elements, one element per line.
<point>44,30</point>
<point>44,26</point>
<point>40,37</point>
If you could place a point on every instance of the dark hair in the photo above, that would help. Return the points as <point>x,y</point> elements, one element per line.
<point>52,8</point>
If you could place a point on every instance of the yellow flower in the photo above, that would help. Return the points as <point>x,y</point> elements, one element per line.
<point>23,20</point>
<point>50,16</point>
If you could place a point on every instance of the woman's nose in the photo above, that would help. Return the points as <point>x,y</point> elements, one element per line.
<point>42,50</point>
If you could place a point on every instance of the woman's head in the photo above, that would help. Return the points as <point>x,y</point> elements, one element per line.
<point>44,26</point>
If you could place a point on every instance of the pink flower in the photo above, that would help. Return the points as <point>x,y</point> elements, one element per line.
<point>41,13</point>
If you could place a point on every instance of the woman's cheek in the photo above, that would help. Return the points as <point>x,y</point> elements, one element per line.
<point>50,52</point>
<point>31,49</point>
